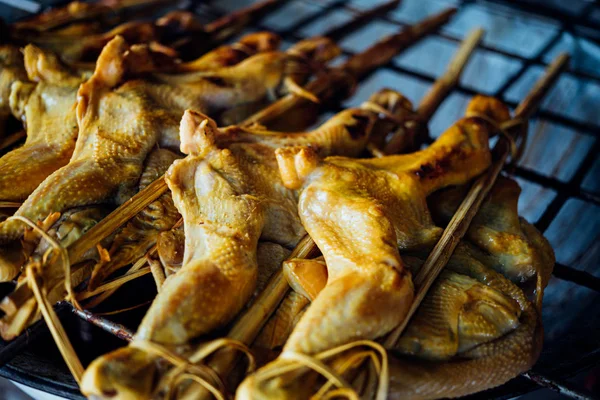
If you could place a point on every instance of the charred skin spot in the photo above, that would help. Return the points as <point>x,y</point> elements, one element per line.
<point>309,53</point>
<point>358,129</point>
<point>440,166</point>
<point>232,57</point>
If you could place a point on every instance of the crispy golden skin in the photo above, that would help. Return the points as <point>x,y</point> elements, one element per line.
<point>506,243</point>
<point>488,333</point>
<point>378,205</point>
<point>120,122</point>
<point>229,199</point>
<point>227,55</point>
<point>46,105</point>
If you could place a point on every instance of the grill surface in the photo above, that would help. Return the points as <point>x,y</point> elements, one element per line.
<point>559,173</point>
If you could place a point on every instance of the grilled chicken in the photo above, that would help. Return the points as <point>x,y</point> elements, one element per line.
<point>120,122</point>
<point>507,242</point>
<point>74,12</point>
<point>229,198</point>
<point>473,323</point>
<point>127,245</point>
<point>76,41</point>
<point>142,232</point>
<point>11,70</point>
<point>228,55</point>
<point>46,105</point>
<point>378,205</point>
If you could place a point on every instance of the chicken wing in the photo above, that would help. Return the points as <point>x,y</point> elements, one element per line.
<point>229,199</point>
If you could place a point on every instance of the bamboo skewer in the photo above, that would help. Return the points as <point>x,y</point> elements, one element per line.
<point>442,87</point>
<point>344,77</point>
<point>438,92</point>
<point>113,328</point>
<point>117,218</point>
<point>10,204</point>
<point>461,220</point>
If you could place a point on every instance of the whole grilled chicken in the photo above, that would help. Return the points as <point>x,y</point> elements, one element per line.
<point>119,122</point>
<point>229,199</point>
<point>226,55</point>
<point>377,205</point>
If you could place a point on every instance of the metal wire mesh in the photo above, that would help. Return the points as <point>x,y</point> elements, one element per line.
<point>560,171</point>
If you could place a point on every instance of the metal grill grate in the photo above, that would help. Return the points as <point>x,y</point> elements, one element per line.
<point>560,171</point>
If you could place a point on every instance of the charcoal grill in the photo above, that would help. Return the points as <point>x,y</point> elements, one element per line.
<point>559,173</point>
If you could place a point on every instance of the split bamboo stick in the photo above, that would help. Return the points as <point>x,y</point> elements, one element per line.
<point>461,220</point>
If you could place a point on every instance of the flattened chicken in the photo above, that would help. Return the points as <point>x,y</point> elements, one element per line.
<point>229,198</point>
<point>378,205</point>
<point>473,323</point>
<point>120,122</point>
<point>46,105</point>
